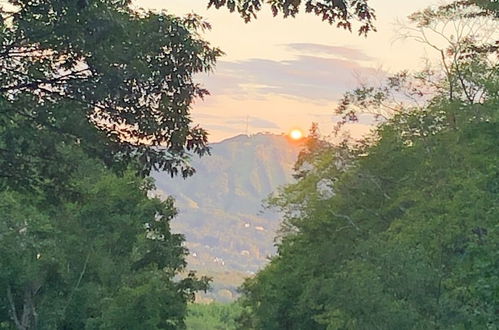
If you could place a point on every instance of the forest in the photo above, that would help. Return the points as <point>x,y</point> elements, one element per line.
<point>397,230</point>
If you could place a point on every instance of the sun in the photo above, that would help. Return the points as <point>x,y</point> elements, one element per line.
<point>296,134</point>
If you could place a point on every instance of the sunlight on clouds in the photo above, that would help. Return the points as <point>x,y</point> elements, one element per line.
<point>289,71</point>
<point>284,112</point>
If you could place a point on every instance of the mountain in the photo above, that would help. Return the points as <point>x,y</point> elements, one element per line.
<point>228,233</point>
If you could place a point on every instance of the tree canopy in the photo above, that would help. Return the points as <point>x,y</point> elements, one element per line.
<point>94,95</point>
<point>339,12</point>
<point>116,82</point>
<point>103,258</point>
<point>398,230</point>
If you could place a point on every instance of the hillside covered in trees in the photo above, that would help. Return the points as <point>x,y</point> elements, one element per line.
<point>228,232</point>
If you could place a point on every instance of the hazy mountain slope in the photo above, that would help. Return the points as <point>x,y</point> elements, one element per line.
<point>220,206</point>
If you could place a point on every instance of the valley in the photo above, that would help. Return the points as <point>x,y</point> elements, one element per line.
<point>229,234</point>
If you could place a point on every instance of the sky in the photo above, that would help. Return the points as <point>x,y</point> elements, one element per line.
<point>282,74</point>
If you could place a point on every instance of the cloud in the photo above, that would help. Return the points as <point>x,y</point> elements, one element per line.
<point>234,124</point>
<point>253,122</point>
<point>336,51</point>
<point>306,77</point>
<point>201,115</point>
<point>225,128</point>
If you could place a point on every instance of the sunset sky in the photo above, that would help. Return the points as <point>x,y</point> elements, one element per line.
<point>281,74</point>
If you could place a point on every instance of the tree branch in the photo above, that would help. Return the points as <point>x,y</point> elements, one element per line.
<point>13,310</point>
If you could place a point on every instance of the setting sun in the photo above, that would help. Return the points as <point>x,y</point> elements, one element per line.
<point>296,134</point>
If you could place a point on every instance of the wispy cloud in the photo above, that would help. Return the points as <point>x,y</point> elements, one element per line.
<point>307,77</point>
<point>235,123</point>
<point>329,51</point>
<point>253,122</point>
<point>225,128</point>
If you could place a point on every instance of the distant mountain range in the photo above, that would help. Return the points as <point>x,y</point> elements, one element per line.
<point>228,233</point>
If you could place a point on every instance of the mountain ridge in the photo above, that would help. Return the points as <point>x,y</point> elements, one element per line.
<point>220,210</point>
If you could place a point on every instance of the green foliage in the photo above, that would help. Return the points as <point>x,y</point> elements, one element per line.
<point>400,230</point>
<point>103,257</point>
<point>116,82</point>
<point>407,240</point>
<point>212,316</point>
<point>89,86</point>
<point>489,7</point>
<point>339,12</point>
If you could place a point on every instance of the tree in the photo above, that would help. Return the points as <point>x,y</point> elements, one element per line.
<point>105,259</point>
<point>406,236</point>
<point>341,12</point>
<point>465,38</point>
<point>489,7</point>
<point>212,316</point>
<point>117,82</point>
<point>406,240</point>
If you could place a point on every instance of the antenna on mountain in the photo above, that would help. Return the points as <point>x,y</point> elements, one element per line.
<point>247,121</point>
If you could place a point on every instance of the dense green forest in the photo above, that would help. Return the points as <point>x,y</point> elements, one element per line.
<point>397,231</point>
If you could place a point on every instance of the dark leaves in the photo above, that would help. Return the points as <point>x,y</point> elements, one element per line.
<point>129,75</point>
<point>339,12</point>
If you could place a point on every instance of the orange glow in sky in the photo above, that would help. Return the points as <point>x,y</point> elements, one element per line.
<point>296,134</point>
<point>288,71</point>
